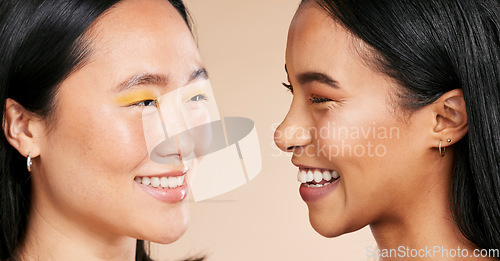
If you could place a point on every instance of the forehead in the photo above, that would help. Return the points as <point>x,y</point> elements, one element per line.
<point>143,35</point>
<point>316,41</point>
<point>146,17</point>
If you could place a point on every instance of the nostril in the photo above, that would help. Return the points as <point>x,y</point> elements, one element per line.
<point>166,153</point>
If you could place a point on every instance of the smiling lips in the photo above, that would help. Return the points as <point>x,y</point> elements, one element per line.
<point>170,189</point>
<point>317,183</point>
<point>316,178</point>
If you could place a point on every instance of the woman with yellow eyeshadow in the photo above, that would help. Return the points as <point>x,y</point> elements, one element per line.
<point>76,179</point>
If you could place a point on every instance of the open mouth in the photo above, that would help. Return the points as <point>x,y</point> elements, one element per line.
<point>316,178</point>
<point>161,182</point>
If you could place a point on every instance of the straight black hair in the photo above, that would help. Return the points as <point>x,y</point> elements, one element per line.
<point>41,43</point>
<point>430,48</point>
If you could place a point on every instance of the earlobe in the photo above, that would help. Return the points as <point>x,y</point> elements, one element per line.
<point>16,127</point>
<point>451,117</point>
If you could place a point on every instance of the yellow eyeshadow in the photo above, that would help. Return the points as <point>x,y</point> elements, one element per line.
<point>135,97</point>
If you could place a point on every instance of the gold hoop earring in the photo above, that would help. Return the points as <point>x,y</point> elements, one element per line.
<point>29,162</point>
<point>442,150</point>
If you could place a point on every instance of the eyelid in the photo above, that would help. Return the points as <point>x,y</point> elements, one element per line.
<point>193,92</point>
<point>135,97</point>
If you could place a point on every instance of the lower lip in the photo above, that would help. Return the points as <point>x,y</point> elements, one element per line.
<point>172,195</point>
<point>310,194</point>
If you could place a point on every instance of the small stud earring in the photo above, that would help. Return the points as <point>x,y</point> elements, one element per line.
<point>449,140</point>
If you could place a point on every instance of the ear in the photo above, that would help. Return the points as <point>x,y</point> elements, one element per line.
<point>451,117</point>
<point>18,126</point>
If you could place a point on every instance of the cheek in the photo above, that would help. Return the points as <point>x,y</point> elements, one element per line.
<point>108,139</point>
<point>355,133</point>
<point>89,160</point>
<point>362,142</point>
<point>93,152</point>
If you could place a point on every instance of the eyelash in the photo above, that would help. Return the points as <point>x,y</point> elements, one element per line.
<point>319,99</point>
<point>316,100</point>
<point>146,103</point>
<point>198,97</point>
<point>288,86</point>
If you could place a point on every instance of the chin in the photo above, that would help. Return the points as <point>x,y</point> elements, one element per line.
<point>328,225</point>
<point>325,230</point>
<point>169,237</point>
<point>170,228</point>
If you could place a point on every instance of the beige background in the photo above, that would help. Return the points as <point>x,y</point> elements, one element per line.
<point>243,44</point>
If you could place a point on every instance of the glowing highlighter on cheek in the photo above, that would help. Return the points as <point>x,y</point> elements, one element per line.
<point>226,151</point>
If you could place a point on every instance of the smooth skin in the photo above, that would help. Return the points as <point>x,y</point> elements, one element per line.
<point>86,205</point>
<point>401,189</point>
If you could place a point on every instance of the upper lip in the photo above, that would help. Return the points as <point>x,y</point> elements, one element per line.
<point>171,173</point>
<point>301,167</point>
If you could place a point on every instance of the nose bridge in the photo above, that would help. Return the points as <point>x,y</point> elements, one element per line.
<point>177,134</point>
<point>170,109</point>
<point>295,130</point>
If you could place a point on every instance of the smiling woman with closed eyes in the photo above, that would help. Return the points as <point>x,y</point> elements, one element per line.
<point>77,181</point>
<point>395,120</point>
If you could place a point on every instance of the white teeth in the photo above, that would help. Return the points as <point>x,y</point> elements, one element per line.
<point>317,185</point>
<point>155,182</point>
<point>309,176</point>
<point>327,175</point>
<point>317,176</point>
<point>146,181</point>
<point>163,182</point>
<point>303,176</point>
<point>172,182</point>
<point>180,180</point>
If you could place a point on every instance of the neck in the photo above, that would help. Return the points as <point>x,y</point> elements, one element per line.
<point>434,235</point>
<point>426,230</point>
<point>53,239</point>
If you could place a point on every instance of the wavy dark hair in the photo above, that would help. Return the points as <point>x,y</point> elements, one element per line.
<point>430,48</point>
<point>41,43</point>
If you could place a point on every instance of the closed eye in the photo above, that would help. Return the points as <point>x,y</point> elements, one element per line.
<point>319,99</point>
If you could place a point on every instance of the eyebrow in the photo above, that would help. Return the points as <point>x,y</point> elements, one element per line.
<point>309,77</point>
<point>157,79</point>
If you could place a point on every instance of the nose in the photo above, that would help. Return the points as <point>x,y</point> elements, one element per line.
<point>173,149</point>
<point>295,130</point>
<point>178,143</point>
